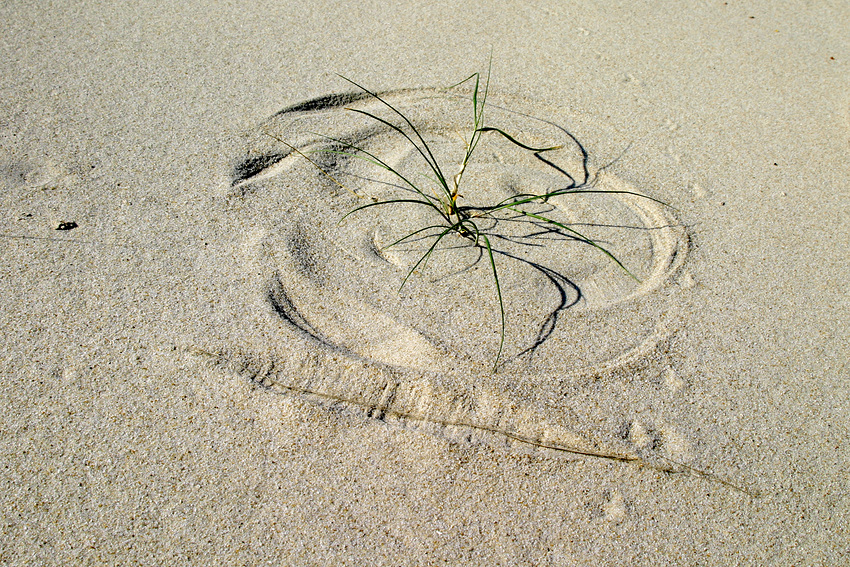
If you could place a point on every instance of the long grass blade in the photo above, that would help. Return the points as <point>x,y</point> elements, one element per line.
<point>373,159</point>
<point>501,302</point>
<point>517,142</point>
<point>316,165</point>
<point>462,82</point>
<point>414,233</point>
<point>429,159</point>
<point>389,202</point>
<point>425,256</point>
<point>433,160</point>
<point>579,190</point>
<point>514,200</point>
<point>580,236</point>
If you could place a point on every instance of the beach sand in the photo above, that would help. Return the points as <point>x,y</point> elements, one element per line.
<point>202,365</point>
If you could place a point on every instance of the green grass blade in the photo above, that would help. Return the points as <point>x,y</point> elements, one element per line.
<point>577,191</point>
<point>316,165</point>
<point>429,159</point>
<point>425,256</point>
<point>414,233</point>
<point>517,142</point>
<point>581,237</point>
<point>433,160</point>
<point>389,202</point>
<point>477,121</point>
<point>373,159</point>
<point>513,201</point>
<point>475,99</point>
<point>478,111</point>
<point>462,82</point>
<point>501,302</point>
<point>479,114</point>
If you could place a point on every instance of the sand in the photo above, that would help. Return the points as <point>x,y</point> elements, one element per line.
<point>202,365</point>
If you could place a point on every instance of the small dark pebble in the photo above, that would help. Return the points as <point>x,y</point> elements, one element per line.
<point>66,225</point>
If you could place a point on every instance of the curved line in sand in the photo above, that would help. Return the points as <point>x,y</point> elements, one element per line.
<point>396,379</point>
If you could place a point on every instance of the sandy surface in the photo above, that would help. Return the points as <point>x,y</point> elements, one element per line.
<point>210,369</point>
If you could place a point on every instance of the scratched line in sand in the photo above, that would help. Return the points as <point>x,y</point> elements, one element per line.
<point>384,405</point>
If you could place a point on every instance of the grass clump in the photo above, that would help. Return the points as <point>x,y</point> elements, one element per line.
<point>443,194</point>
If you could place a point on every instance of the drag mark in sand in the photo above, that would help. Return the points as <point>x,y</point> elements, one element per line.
<point>396,400</point>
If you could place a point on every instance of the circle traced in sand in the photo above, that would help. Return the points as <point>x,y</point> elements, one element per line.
<point>337,326</point>
<point>567,304</point>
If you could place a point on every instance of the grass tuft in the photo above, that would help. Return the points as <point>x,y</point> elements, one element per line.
<point>457,219</point>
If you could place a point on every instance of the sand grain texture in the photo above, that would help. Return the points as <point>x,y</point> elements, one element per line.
<point>203,366</point>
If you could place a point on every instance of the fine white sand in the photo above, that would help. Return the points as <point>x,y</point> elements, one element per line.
<point>207,367</point>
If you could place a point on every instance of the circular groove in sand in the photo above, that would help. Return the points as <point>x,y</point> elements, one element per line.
<point>320,320</point>
<point>567,303</point>
<point>326,321</point>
